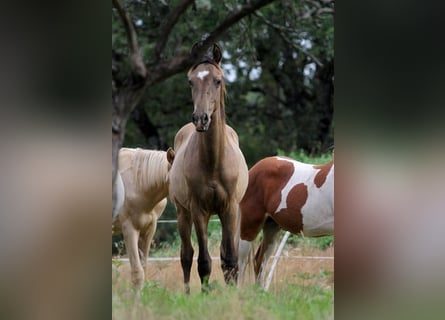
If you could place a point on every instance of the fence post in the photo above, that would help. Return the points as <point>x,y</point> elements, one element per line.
<point>275,260</point>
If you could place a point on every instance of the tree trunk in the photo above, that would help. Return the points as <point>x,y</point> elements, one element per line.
<point>147,128</point>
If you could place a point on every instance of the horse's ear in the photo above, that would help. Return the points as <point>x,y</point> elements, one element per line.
<point>217,55</point>
<point>170,155</point>
<point>194,51</point>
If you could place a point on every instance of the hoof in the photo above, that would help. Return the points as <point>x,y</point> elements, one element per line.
<point>209,287</point>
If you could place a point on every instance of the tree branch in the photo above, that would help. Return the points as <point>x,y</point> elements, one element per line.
<point>136,61</point>
<point>161,71</point>
<point>264,93</point>
<point>232,18</point>
<point>280,30</point>
<point>182,61</point>
<point>167,25</point>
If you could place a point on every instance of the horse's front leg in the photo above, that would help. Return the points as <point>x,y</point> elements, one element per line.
<point>229,243</point>
<point>201,221</point>
<point>131,236</point>
<point>147,235</point>
<point>146,238</point>
<point>185,232</point>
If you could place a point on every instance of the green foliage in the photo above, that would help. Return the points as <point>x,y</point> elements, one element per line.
<point>321,243</point>
<point>303,156</point>
<point>279,69</point>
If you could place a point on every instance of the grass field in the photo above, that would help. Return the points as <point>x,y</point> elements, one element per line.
<point>301,289</point>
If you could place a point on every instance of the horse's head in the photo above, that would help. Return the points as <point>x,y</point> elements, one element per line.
<point>206,79</point>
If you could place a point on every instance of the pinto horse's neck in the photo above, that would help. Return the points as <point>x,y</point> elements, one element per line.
<point>212,142</point>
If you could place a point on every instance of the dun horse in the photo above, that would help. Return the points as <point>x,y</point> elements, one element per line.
<point>209,174</point>
<point>145,178</point>
<point>284,194</point>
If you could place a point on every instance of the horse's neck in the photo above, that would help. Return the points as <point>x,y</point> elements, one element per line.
<point>212,142</point>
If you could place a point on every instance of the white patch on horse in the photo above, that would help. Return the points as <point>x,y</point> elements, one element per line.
<point>202,74</point>
<point>318,211</point>
<point>296,178</point>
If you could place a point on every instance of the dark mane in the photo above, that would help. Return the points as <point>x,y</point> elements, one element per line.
<point>206,60</point>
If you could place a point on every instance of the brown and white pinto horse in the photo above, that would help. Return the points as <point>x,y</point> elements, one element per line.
<point>284,194</point>
<point>209,174</point>
<point>145,178</point>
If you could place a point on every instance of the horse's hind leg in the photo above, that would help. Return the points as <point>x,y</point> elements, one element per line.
<point>185,232</point>
<point>267,246</point>
<point>252,217</point>
<point>201,221</point>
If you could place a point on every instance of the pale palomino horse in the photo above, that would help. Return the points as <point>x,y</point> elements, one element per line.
<point>209,174</point>
<point>284,194</point>
<point>145,179</point>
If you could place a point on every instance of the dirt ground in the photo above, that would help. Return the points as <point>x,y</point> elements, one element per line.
<point>168,274</point>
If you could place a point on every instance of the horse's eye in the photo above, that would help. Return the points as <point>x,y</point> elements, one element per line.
<point>218,82</point>
<point>190,83</point>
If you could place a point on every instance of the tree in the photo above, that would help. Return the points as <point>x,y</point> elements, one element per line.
<point>279,69</point>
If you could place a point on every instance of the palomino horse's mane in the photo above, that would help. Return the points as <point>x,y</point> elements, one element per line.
<point>151,168</point>
<point>223,83</point>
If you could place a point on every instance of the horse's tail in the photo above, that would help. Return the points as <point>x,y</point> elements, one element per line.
<point>120,195</point>
<point>246,259</point>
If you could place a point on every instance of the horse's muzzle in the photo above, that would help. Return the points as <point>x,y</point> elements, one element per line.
<point>201,121</point>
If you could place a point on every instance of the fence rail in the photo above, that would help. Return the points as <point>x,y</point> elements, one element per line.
<point>175,221</point>
<point>154,259</point>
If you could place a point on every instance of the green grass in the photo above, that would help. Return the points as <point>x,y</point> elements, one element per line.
<point>302,297</point>
<point>299,299</point>
<point>290,302</point>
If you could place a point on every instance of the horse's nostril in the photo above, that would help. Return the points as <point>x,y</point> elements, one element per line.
<point>194,118</point>
<point>205,118</point>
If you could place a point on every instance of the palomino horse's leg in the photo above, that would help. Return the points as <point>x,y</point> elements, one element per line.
<point>185,232</point>
<point>267,246</point>
<point>146,238</point>
<point>229,243</point>
<point>201,221</point>
<point>131,236</point>
<point>147,235</point>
